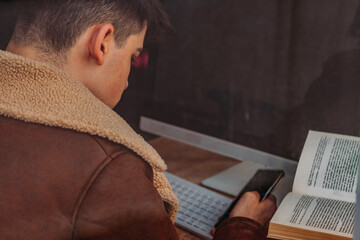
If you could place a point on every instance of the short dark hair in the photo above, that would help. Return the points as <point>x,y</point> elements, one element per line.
<point>56,24</point>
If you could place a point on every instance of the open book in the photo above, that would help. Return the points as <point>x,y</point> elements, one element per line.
<point>322,203</point>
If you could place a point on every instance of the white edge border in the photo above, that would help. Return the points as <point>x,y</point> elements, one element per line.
<point>357,209</point>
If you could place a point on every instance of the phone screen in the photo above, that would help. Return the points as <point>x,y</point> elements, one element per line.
<point>264,181</point>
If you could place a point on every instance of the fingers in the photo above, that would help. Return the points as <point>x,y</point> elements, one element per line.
<point>270,203</point>
<point>251,195</point>
<point>250,207</point>
<point>271,198</point>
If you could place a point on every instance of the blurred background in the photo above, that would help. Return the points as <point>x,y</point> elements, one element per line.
<point>259,73</point>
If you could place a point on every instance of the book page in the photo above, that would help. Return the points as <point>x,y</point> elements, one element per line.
<point>328,166</point>
<point>316,214</point>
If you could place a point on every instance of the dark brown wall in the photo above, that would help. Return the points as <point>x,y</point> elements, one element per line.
<point>7,20</point>
<point>261,73</point>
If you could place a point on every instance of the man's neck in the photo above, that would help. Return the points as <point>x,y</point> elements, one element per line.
<point>27,52</point>
<point>31,52</point>
<point>72,67</point>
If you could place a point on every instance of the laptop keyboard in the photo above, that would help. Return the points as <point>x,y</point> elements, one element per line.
<point>199,207</point>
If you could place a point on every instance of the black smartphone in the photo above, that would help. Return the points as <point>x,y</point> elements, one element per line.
<point>264,181</point>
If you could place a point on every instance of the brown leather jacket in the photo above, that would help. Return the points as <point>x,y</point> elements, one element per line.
<point>62,184</point>
<point>60,180</point>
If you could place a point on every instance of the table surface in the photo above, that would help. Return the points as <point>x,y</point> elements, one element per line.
<point>191,163</point>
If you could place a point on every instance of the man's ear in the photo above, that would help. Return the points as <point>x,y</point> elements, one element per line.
<point>100,41</point>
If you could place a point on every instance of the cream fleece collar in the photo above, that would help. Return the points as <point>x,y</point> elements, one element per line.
<point>36,92</point>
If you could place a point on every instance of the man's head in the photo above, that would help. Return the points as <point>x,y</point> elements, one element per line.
<point>92,40</point>
<point>53,26</point>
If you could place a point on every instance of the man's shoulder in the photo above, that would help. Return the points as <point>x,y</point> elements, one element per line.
<point>61,172</point>
<point>69,152</point>
<point>50,140</point>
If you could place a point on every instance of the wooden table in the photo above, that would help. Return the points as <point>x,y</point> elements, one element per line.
<point>190,163</point>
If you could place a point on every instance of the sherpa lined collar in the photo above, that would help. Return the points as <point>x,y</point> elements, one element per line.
<point>40,93</point>
<point>37,92</point>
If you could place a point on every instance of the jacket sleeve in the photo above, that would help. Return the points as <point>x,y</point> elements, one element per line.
<point>122,203</point>
<point>240,228</point>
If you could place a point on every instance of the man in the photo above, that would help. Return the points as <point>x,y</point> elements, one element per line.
<point>71,168</point>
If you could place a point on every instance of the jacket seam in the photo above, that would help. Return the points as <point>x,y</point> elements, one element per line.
<point>87,186</point>
<point>100,145</point>
<point>117,151</point>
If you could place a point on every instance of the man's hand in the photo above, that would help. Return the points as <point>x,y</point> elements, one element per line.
<point>250,207</point>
